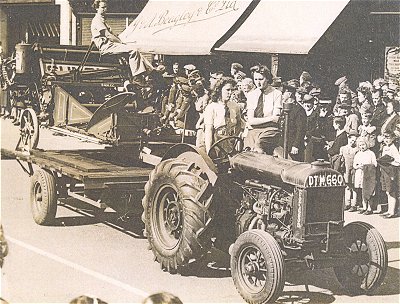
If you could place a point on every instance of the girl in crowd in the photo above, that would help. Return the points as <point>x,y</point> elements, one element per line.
<point>364,157</point>
<point>221,115</point>
<point>389,126</point>
<point>367,131</point>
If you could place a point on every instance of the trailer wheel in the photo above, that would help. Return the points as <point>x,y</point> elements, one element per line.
<point>43,197</point>
<point>368,259</point>
<point>257,267</point>
<point>29,130</point>
<point>178,212</point>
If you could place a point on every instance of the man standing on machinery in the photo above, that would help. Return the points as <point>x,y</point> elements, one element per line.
<point>109,44</point>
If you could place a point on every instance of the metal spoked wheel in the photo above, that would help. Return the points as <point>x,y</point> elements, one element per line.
<point>168,217</point>
<point>29,130</point>
<point>252,269</point>
<point>257,267</point>
<point>367,259</point>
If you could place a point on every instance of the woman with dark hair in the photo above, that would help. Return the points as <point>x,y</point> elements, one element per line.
<point>392,120</point>
<point>221,115</point>
<point>263,110</point>
<point>109,44</point>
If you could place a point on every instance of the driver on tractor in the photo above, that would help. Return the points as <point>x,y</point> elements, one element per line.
<point>221,116</point>
<point>109,44</point>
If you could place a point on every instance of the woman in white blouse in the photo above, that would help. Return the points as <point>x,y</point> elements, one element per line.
<point>264,106</point>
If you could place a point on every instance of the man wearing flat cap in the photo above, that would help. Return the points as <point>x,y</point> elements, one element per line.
<point>189,68</point>
<point>236,67</point>
<point>214,77</point>
<point>341,82</point>
<point>342,85</point>
<point>305,77</point>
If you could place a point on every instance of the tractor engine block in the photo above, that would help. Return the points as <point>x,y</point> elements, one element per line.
<point>264,207</point>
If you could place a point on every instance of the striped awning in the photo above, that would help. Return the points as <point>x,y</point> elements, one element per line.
<point>44,29</point>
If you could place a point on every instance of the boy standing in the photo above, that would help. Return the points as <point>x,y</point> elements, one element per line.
<point>348,152</point>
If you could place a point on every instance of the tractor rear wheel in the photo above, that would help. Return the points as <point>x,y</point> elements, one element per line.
<point>178,213</point>
<point>368,259</point>
<point>257,267</point>
<point>43,197</point>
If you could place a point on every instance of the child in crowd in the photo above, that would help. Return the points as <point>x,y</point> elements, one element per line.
<point>364,165</point>
<point>388,173</point>
<point>352,120</point>
<point>367,131</point>
<point>340,141</point>
<point>348,152</point>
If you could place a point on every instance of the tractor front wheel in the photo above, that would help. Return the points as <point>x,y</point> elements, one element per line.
<point>257,267</point>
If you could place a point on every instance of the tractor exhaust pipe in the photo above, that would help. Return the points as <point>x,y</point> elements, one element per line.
<point>287,107</point>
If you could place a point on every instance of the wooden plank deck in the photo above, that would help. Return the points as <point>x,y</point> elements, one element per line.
<point>95,168</point>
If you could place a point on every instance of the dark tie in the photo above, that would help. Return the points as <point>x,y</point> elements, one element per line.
<point>259,111</point>
<point>227,115</point>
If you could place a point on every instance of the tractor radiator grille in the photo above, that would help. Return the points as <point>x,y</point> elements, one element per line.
<point>324,205</point>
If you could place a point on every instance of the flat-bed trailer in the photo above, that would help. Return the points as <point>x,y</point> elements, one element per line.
<point>100,177</point>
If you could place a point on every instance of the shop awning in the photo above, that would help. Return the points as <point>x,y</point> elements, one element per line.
<point>200,27</point>
<point>286,27</point>
<point>183,27</point>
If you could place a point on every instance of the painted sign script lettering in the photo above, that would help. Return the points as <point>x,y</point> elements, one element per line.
<point>197,12</point>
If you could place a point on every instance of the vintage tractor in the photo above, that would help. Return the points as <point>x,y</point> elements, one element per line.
<point>284,213</point>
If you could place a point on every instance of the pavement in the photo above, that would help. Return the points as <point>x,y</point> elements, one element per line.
<point>107,257</point>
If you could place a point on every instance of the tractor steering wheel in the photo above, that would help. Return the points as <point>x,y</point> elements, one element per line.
<point>224,148</point>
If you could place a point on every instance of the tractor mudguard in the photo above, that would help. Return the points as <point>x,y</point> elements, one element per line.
<point>193,155</point>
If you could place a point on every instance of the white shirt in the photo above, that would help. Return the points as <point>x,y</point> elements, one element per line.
<point>272,102</point>
<point>214,114</point>
<point>98,25</point>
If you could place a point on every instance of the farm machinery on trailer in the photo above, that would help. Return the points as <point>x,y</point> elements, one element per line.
<point>76,92</point>
<point>269,213</point>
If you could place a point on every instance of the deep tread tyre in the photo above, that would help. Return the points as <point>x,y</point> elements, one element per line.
<point>368,259</point>
<point>43,197</point>
<point>257,267</point>
<point>178,213</point>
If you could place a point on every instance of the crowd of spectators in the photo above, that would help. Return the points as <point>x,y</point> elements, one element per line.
<point>358,132</point>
